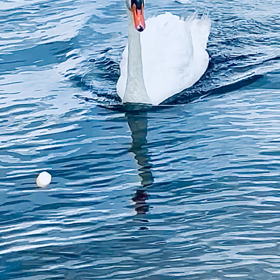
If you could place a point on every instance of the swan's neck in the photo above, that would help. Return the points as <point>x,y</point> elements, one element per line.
<point>135,91</point>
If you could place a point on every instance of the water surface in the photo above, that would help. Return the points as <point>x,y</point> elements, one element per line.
<point>188,190</point>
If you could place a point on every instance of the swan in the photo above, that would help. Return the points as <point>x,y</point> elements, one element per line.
<point>167,57</point>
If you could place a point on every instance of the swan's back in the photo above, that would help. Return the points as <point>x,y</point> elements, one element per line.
<point>174,55</point>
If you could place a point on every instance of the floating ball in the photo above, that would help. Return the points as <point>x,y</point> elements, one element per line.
<point>43,179</point>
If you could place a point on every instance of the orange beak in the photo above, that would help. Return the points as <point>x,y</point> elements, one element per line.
<point>138,16</point>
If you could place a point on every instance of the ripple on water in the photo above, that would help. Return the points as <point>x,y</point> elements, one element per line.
<point>184,191</point>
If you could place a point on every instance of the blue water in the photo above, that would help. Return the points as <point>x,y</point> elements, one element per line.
<point>189,190</point>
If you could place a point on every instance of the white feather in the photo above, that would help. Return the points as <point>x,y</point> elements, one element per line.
<point>174,55</point>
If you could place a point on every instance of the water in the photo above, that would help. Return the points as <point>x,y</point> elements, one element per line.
<point>189,190</point>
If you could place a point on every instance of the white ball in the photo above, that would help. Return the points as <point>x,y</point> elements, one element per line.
<point>43,179</point>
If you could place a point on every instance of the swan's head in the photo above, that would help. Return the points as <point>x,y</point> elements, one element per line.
<point>137,9</point>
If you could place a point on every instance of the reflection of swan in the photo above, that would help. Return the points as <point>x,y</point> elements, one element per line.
<point>168,57</point>
<point>137,122</point>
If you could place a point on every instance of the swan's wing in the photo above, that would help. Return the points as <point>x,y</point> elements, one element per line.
<point>200,30</point>
<point>167,54</point>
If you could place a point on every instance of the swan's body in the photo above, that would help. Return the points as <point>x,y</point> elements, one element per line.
<point>168,57</point>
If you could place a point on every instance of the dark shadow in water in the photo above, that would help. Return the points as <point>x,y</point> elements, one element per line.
<point>138,124</point>
<point>193,93</point>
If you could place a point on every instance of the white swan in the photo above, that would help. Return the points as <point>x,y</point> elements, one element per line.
<point>168,57</point>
